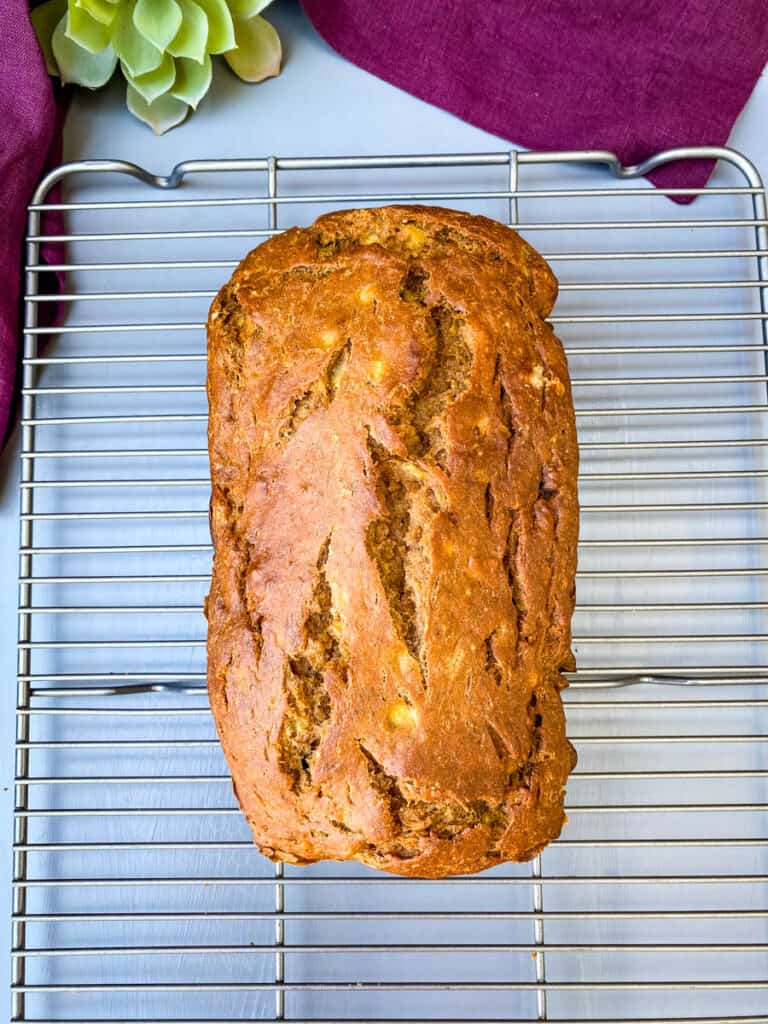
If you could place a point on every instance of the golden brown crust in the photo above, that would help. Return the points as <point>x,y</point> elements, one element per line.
<point>394,516</point>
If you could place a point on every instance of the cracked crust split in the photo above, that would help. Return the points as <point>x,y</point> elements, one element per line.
<point>394,515</point>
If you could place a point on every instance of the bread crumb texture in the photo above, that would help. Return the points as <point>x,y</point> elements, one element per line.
<point>394,516</point>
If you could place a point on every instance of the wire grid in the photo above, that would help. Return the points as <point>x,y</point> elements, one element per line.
<point>138,895</point>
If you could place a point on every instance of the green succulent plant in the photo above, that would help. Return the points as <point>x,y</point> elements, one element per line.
<point>163,47</point>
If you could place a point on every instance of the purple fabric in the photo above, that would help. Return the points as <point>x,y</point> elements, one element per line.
<point>631,76</point>
<point>28,136</point>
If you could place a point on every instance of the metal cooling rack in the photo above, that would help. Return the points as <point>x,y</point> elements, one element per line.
<point>138,896</point>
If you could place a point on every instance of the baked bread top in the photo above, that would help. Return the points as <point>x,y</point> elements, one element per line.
<point>394,515</point>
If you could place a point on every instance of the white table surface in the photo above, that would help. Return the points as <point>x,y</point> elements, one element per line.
<point>320,105</point>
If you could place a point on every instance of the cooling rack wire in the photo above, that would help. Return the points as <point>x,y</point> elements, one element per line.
<point>138,896</point>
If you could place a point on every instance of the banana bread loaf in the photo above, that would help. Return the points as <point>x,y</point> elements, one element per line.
<point>394,516</point>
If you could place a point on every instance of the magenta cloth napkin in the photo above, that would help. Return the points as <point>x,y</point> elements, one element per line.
<point>28,138</point>
<point>631,76</point>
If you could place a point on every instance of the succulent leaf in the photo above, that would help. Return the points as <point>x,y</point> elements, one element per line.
<point>137,53</point>
<point>221,28</point>
<point>102,10</point>
<point>192,38</point>
<point>192,80</point>
<point>164,113</point>
<point>157,20</point>
<point>258,52</point>
<point>242,10</point>
<point>156,82</point>
<point>44,20</point>
<point>78,65</point>
<point>85,30</point>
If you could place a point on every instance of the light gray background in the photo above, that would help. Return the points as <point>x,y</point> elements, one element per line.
<point>319,105</point>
